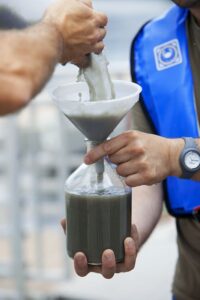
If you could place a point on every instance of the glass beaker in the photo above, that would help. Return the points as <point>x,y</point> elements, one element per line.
<point>98,210</point>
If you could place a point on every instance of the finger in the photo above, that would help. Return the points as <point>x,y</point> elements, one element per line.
<point>137,180</point>
<point>98,48</point>
<point>116,144</point>
<point>108,264</point>
<point>131,151</point>
<point>106,148</point>
<point>102,34</point>
<point>128,168</point>
<point>135,236</point>
<point>80,264</point>
<point>130,253</point>
<point>130,256</point>
<point>121,156</point>
<point>63,224</point>
<point>95,154</point>
<point>101,19</point>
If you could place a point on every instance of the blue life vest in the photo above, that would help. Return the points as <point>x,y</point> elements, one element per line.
<point>160,64</point>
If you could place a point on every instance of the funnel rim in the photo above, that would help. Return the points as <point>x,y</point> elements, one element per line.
<point>129,83</point>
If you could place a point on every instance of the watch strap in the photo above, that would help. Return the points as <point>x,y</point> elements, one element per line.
<point>190,145</point>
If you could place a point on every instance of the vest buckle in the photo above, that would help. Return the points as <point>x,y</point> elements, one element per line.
<point>196,214</point>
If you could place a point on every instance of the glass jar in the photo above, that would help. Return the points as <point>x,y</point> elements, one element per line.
<point>98,210</point>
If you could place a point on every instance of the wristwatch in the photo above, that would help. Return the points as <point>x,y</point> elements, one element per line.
<point>190,158</point>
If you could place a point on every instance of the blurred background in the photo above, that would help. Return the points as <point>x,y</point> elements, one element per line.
<point>39,148</point>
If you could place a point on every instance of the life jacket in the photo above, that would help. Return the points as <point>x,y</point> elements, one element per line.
<point>160,64</point>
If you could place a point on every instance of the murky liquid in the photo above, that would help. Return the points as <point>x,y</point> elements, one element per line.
<point>95,128</point>
<point>96,222</point>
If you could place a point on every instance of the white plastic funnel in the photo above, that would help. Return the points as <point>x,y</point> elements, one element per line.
<point>95,119</point>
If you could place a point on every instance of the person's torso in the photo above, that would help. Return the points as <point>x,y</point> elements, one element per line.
<point>187,278</point>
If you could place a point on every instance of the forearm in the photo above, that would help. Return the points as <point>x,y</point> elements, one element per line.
<point>147,208</point>
<point>28,59</point>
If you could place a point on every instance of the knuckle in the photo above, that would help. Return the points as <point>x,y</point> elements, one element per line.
<point>104,20</point>
<point>99,49</point>
<point>147,176</point>
<point>108,147</point>
<point>153,177</point>
<point>127,135</point>
<point>90,15</point>
<point>130,135</point>
<point>134,134</point>
<point>144,166</point>
<point>132,149</point>
<point>93,38</point>
<point>129,182</point>
<point>140,146</point>
<point>101,19</point>
<point>113,158</point>
<point>120,170</point>
<point>140,150</point>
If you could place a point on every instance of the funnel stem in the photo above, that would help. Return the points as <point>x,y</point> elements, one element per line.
<point>99,165</point>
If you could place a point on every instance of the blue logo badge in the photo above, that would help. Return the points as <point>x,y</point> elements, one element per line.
<point>167,55</point>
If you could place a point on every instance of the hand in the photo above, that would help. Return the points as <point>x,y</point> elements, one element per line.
<point>82,61</point>
<point>81,27</point>
<point>109,266</point>
<point>143,159</point>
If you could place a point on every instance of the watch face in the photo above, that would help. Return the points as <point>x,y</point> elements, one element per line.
<point>192,160</point>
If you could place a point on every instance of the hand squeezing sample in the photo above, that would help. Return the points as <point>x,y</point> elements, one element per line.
<point>143,159</point>
<point>80,27</point>
<point>69,29</point>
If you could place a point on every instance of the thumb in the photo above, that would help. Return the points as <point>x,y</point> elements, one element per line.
<point>135,236</point>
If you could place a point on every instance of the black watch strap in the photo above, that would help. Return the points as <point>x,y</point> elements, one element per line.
<point>190,145</point>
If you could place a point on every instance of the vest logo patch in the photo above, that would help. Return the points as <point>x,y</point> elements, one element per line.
<point>167,55</point>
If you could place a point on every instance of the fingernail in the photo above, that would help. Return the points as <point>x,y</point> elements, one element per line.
<point>129,242</point>
<point>108,255</point>
<point>80,259</point>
